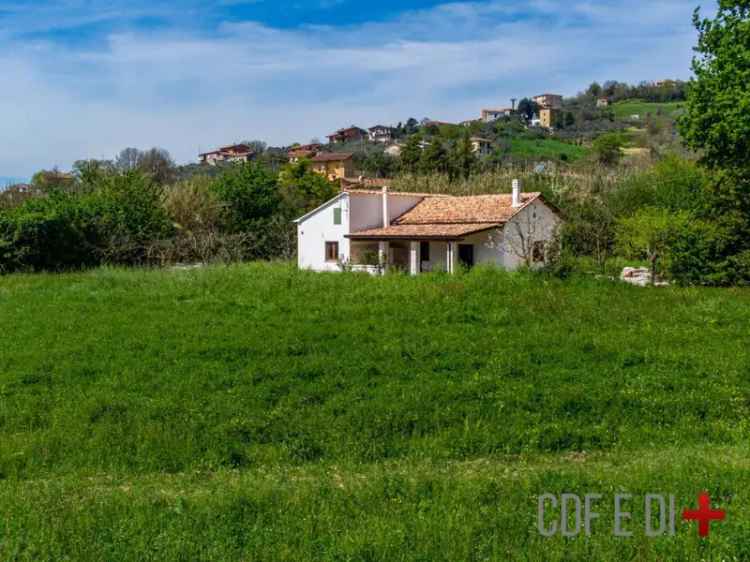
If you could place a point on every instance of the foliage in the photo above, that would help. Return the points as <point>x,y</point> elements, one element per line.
<point>302,190</point>
<point>648,235</point>
<point>411,154</point>
<point>528,108</point>
<point>608,149</point>
<point>717,121</point>
<point>157,163</point>
<point>249,193</point>
<point>463,160</point>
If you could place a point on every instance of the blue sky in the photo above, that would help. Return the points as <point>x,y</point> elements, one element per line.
<point>85,78</point>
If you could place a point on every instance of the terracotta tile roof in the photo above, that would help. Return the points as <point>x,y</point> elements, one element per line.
<point>422,231</point>
<point>332,156</point>
<point>390,192</point>
<point>482,209</point>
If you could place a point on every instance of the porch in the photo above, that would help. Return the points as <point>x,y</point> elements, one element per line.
<point>412,256</point>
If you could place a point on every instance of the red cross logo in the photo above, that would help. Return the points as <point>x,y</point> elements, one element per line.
<point>704,514</point>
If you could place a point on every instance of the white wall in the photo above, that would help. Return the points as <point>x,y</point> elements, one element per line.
<point>317,229</point>
<point>537,222</point>
<point>367,209</point>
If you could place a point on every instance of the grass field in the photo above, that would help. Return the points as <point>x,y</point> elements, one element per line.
<point>546,148</point>
<point>624,109</point>
<point>261,413</point>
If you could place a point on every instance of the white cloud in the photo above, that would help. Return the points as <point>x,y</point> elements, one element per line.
<point>186,89</point>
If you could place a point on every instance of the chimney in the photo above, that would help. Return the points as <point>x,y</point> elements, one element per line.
<point>516,193</point>
<point>386,221</point>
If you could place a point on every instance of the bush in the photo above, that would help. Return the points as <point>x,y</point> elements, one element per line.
<point>250,195</point>
<point>50,233</point>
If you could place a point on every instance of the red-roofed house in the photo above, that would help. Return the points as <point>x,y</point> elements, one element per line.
<point>232,153</point>
<point>348,134</point>
<point>372,230</point>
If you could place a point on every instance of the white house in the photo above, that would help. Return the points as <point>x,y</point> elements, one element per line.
<point>369,230</point>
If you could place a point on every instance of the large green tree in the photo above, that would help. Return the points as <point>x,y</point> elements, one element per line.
<point>717,125</point>
<point>717,120</point>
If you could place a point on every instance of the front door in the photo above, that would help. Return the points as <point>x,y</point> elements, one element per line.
<point>466,254</point>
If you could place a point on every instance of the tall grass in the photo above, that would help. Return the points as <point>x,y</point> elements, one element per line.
<point>262,413</point>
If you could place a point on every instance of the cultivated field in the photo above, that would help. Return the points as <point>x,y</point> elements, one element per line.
<point>261,413</point>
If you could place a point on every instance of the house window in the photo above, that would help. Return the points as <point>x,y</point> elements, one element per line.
<point>537,251</point>
<point>332,251</point>
<point>424,251</point>
<point>337,215</point>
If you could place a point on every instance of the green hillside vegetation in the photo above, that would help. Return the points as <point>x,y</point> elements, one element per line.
<point>624,109</point>
<point>525,148</point>
<point>256,412</point>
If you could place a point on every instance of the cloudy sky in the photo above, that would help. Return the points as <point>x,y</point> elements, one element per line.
<point>85,78</point>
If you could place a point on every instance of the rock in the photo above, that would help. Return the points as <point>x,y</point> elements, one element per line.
<point>640,276</point>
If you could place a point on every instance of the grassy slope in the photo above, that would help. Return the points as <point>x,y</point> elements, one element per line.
<point>261,413</point>
<point>625,109</point>
<point>546,148</point>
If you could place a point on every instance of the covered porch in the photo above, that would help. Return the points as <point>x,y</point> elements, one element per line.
<point>412,256</point>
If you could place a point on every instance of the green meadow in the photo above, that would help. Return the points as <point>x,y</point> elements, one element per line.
<point>256,412</point>
<point>624,109</point>
<point>546,148</point>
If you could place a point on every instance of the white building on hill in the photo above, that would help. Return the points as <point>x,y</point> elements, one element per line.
<point>371,231</point>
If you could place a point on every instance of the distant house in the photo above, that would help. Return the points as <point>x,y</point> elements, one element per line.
<point>303,151</point>
<point>334,165</point>
<point>348,134</point>
<point>381,133</point>
<point>232,153</point>
<point>433,123</point>
<point>549,118</point>
<point>489,115</point>
<point>480,146</point>
<point>602,102</point>
<point>373,230</point>
<point>549,101</point>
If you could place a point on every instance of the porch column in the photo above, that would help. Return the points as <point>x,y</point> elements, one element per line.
<point>449,263</point>
<point>383,251</point>
<point>415,258</point>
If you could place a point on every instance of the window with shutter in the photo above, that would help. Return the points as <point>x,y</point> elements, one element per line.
<point>332,251</point>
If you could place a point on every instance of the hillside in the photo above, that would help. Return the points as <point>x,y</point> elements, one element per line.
<point>625,109</point>
<point>257,412</point>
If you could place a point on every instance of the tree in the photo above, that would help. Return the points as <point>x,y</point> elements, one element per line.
<point>649,234</point>
<point>412,126</point>
<point>717,124</point>
<point>379,164</point>
<point>717,121</point>
<point>302,189</point>
<point>594,90</point>
<point>434,158</point>
<point>527,109</point>
<point>128,160</point>
<point>411,153</point>
<point>463,159</point>
<point>158,164</point>
<point>608,149</point>
<point>249,193</point>
<point>155,162</point>
<point>258,146</point>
